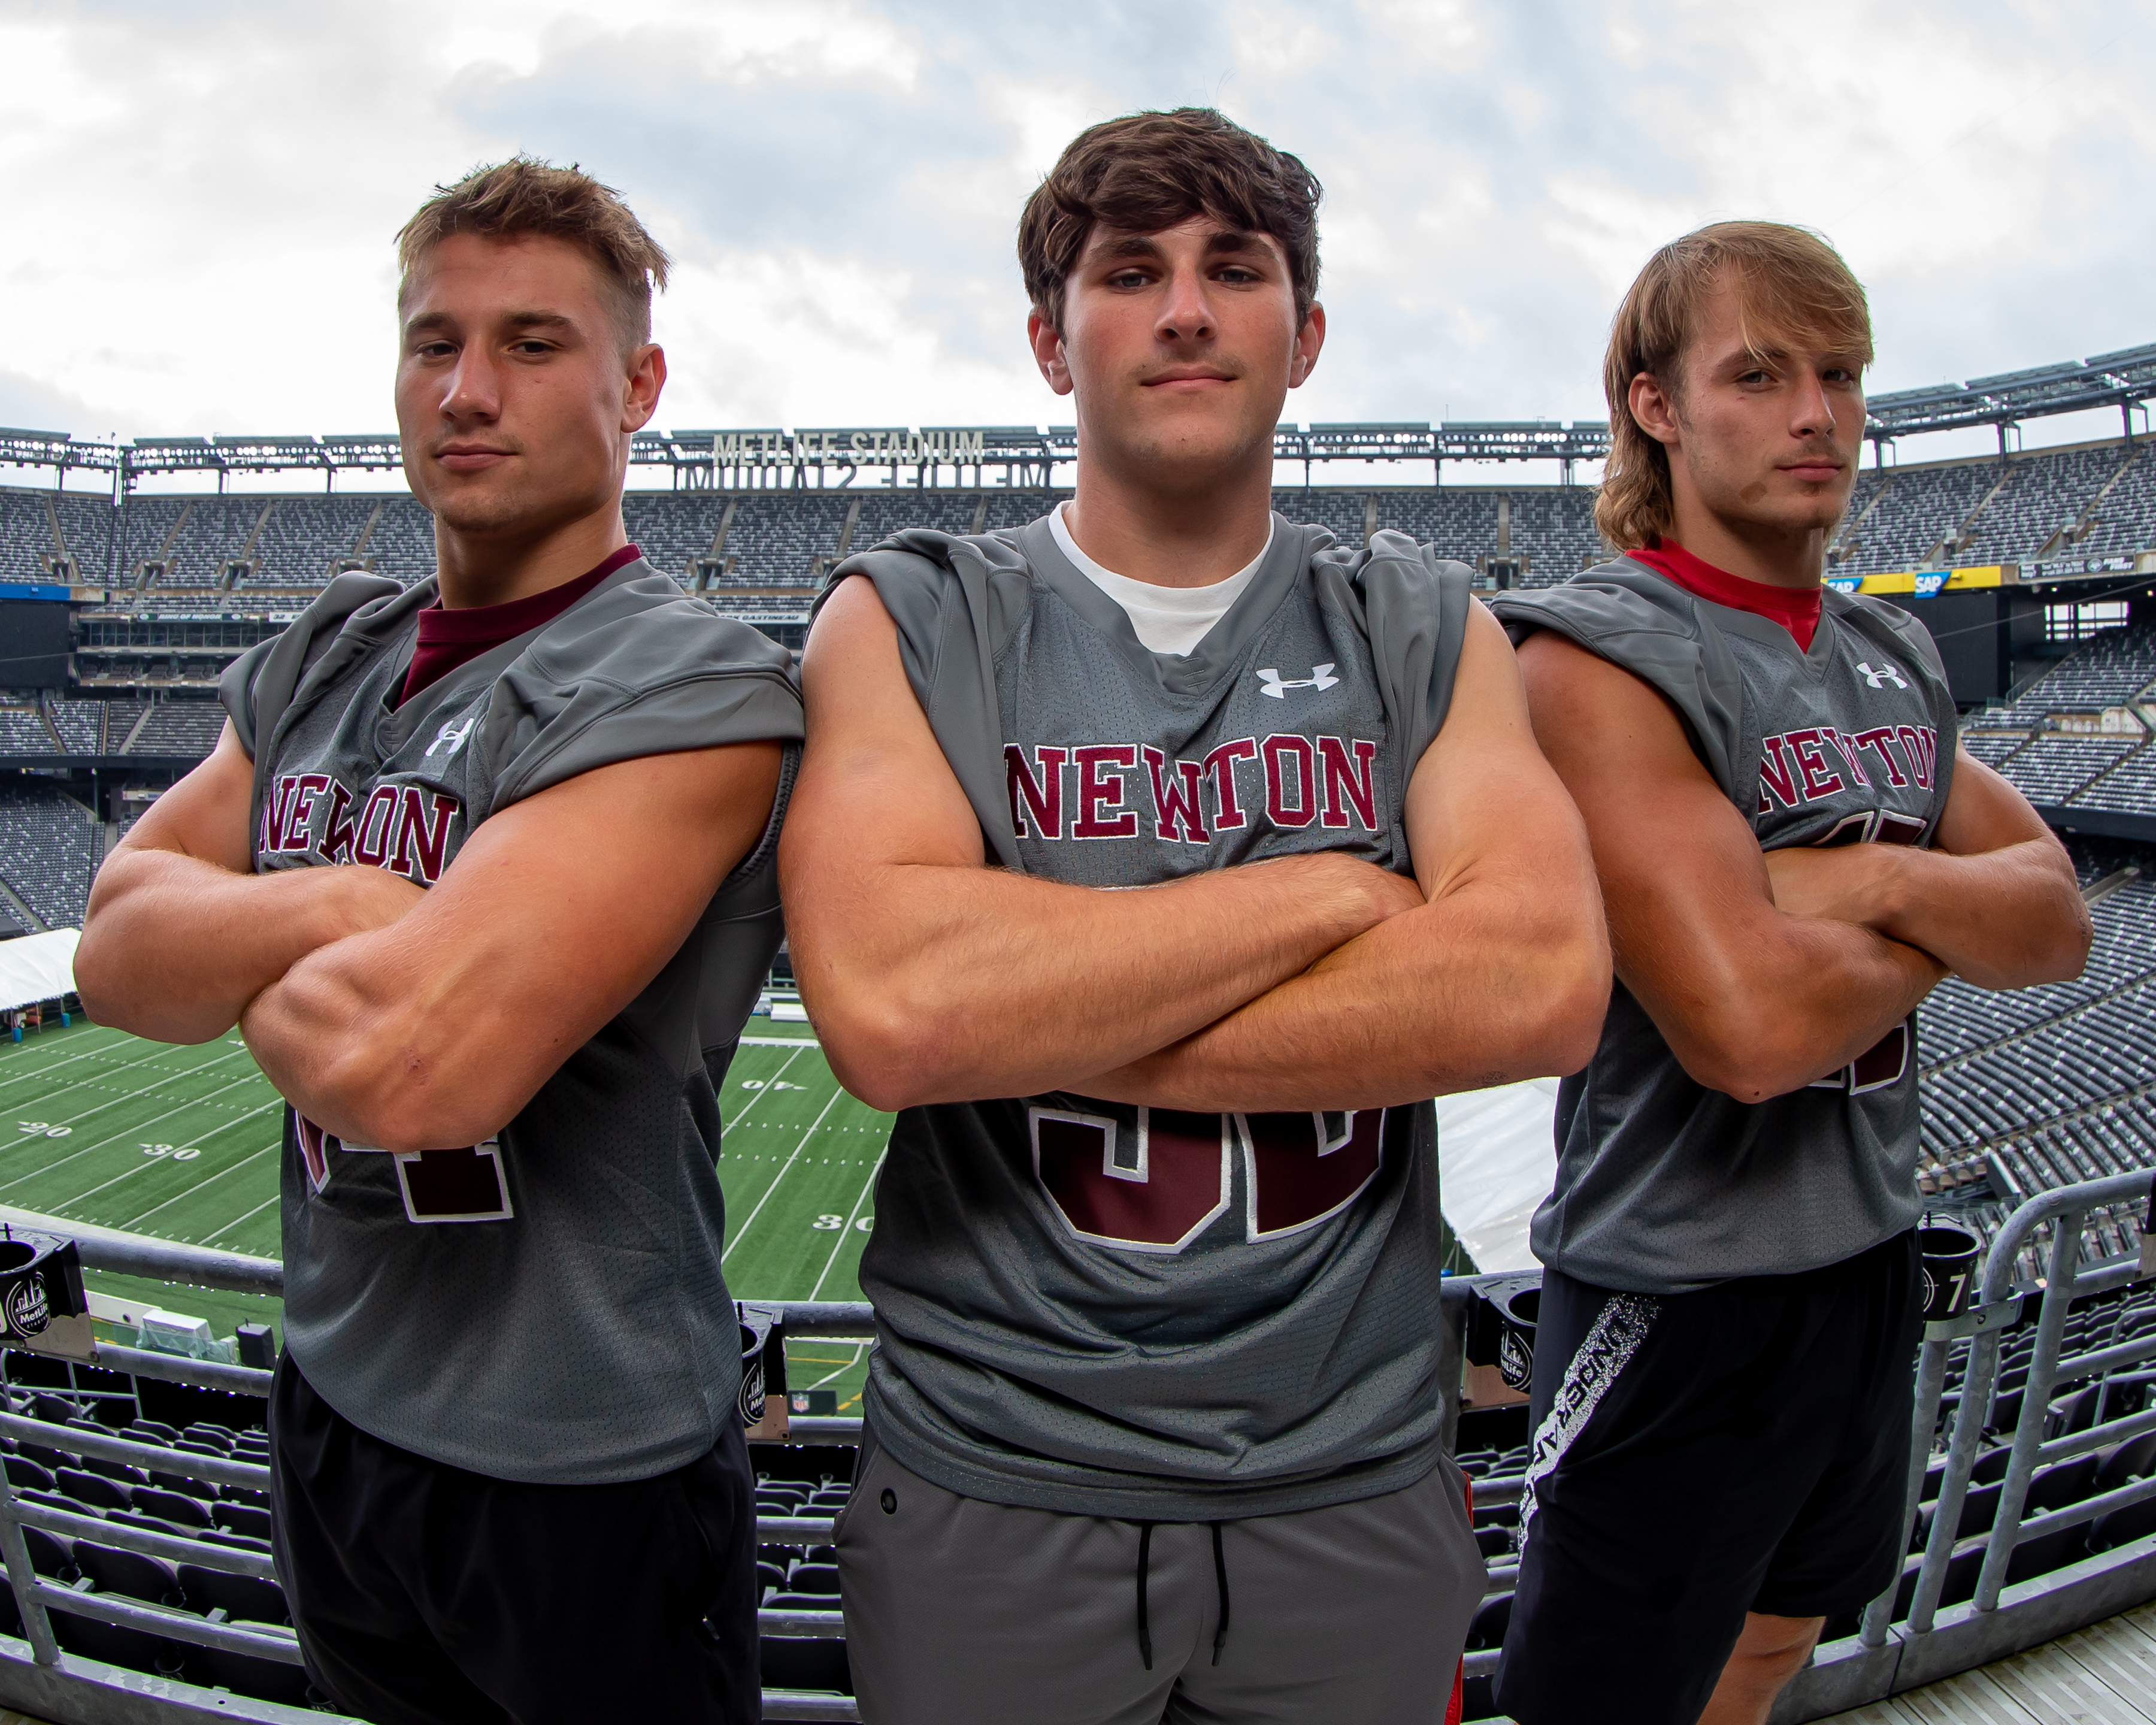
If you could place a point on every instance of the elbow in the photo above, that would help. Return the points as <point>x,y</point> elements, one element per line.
<point>1747,1056</point>
<point>1575,1007</point>
<point>883,1051</point>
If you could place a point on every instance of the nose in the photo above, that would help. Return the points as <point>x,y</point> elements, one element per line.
<point>1811,413</point>
<point>1186,313</point>
<point>472,390</point>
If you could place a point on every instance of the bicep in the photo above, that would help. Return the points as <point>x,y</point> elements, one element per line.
<point>1482,794</point>
<point>1985,811</point>
<point>205,815</point>
<point>1684,884</point>
<point>874,786</point>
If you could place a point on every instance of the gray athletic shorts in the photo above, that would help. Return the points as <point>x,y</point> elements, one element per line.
<point>960,1612</point>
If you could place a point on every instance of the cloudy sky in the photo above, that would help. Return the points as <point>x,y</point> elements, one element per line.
<point>202,197</point>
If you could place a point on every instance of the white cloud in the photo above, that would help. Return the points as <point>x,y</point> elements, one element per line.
<point>202,200</point>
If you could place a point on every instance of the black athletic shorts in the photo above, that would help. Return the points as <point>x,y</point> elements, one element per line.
<point>424,1595</point>
<point>1743,1448</point>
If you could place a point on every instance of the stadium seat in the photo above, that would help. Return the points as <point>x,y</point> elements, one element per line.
<point>243,1494</point>
<point>821,1579</point>
<point>94,1489</point>
<point>151,1431</point>
<point>238,1596</point>
<point>196,1447</point>
<point>259,1679</point>
<point>793,1601</point>
<point>238,1542</point>
<point>770,1577</point>
<point>129,1574</point>
<point>59,1500</point>
<point>23,1471</point>
<point>176,1507</point>
<point>2122,1526</point>
<point>2132,1460</point>
<point>1494,1542</point>
<point>1990,1465</point>
<point>1491,1619</point>
<point>2046,1553</point>
<point>241,1518</point>
<point>51,1555</point>
<point>806,1664</point>
<point>2061,1483</point>
<point>125,1472</point>
<point>205,1431</point>
<point>45,1456</point>
<point>134,1650</point>
<point>180,1482</point>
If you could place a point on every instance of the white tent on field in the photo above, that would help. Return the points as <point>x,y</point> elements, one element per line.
<point>38,966</point>
<point>1496,1162</point>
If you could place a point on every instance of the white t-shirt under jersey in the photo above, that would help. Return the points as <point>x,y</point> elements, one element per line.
<point>1166,619</point>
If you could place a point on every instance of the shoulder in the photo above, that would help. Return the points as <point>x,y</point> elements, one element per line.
<point>1604,605</point>
<point>646,631</point>
<point>637,667</point>
<point>270,670</point>
<point>930,582</point>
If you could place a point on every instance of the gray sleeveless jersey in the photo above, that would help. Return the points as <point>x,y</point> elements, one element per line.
<point>1663,1185</point>
<point>546,1305</point>
<point>1130,1311</point>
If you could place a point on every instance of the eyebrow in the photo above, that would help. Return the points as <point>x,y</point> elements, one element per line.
<point>426,321</point>
<point>1226,241</point>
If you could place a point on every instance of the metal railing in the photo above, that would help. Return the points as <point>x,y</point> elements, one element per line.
<point>1998,1309</point>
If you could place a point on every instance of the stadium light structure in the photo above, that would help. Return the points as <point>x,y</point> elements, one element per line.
<point>1026,456</point>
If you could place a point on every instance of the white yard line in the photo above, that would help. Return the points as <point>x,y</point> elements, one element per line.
<point>842,1370</point>
<point>143,1126</point>
<point>726,1126</point>
<point>219,1233</point>
<point>742,1232</point>
<point>778,1042</point>
<point>192,1190</point>
<point>838,1245</point>
<point>133,1096</point>
<point>43,1102</point>
<point>39,1071</point>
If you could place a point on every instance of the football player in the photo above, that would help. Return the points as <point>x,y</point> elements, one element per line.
<point>1793,850</point>
<point>1158,861</point>
<point>483,870</point>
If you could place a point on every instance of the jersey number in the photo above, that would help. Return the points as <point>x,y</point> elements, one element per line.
<point>1157,1186</point>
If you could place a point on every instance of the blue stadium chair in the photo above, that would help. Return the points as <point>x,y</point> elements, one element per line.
<point>792,1601</point>
<point>151,1431</point>
<point>1494,1542</point>
<point>45,1457</point>
<point>2061,1483</point>
<point>94,1489</point>
<point>176,1507</point>
<point>821,1579</point>
<point>129,1574</point>
<point>22,1471</point>
<point>238,1542</point>
<point>831,1498</point>
<point>1492,1620</point>
<point>2122,1463</point>
<point>770,1577</point>
<point>239,1597</point>
<point>2122,1527</point>
<point>122,1471</point>
<point>180,1482</point>
<point>207,1432</point>
<point>58,1500</point>
<point>51,1556</point>
<point>806,1664</point>
<point>2046,1553</point>
<point>241,1518</point>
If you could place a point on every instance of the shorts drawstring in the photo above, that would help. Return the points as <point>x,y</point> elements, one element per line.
<point>1219,1581</point>
<point>1145,1557</point>
<point>1219,1584</point>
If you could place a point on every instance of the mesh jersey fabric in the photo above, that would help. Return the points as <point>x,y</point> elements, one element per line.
<point>1664,1186</point>
<point>1099,1309</point>
<point>584,1334</point>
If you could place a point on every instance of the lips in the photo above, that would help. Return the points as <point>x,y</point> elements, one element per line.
<point>468,458</point>
<point>1192,379</point>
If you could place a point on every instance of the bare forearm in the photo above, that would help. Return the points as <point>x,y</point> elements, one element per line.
<point>1802,999</point>
<point>2005,919</point>
<point>1483,988</point>
<point>964,982</point>
<point>174,948</point>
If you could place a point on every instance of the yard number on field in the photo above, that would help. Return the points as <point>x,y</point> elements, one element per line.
<point>775,1084</point>
<point>832,1224</point>
<point>39,1128</point>
<point>186,1155</point>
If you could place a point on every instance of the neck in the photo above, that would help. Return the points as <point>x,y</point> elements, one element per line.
<point>495,567</point>
<point>1774,556</point>
<point>1191,537</point>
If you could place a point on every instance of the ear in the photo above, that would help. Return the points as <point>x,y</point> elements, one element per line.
<point>647,377</point>
<point>1308,340</point>
<point>1654,407</point>
<point>1048,353</point>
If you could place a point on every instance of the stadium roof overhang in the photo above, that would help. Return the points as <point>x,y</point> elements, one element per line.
<point>1027,454</point>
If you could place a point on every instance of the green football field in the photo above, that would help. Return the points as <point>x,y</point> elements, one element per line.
<point>97,1125</point>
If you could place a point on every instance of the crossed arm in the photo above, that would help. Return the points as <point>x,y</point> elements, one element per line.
<point>1764,973</point>
<point>1304,981</point>
<point>409,1019</point>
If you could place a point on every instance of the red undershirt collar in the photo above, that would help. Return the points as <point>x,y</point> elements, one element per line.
<point>449,639</point>
<point>1797,609</point>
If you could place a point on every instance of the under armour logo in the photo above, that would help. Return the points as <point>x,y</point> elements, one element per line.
<point>454,734</point>
<point>1881,678</point>
<point>1276,686</point>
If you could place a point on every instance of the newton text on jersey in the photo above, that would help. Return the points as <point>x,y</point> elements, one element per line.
<point>1297,779</point>
<point>404,829</point>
